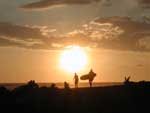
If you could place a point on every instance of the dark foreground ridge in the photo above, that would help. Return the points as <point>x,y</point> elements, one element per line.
<point>30,98</point>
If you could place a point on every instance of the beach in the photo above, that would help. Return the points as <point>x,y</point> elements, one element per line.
<point>30,98</point>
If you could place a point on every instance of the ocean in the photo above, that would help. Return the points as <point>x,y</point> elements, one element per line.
<point>11,86</point>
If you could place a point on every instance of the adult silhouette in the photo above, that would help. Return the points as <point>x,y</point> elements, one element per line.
<point>91,77</point>
<point>76,80</point>
<point>66,85</point>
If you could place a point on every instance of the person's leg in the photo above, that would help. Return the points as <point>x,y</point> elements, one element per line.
<point>90,83</point>
<point>76,84</point>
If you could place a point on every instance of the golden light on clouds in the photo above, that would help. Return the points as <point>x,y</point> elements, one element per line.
<point>73,59</point>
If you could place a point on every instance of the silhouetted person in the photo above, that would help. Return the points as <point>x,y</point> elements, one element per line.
<point>32,84</point>
<point>76,80</point>
<point>66,85</point>
<point>53,86</point>
<point>91,77</point>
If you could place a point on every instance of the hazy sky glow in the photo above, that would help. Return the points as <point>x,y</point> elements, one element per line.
<point>33,33</point>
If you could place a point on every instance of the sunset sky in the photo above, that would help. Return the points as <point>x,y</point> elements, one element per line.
<point>115,36</point>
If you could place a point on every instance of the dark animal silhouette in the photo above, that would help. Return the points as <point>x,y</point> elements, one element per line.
<point>127,80</point>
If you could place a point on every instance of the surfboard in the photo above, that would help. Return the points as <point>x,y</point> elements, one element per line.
<point>84,77</point>
<point>88,76</point>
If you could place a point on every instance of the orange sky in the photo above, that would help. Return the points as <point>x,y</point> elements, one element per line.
<point>33,33</point>
<point>20,65</point>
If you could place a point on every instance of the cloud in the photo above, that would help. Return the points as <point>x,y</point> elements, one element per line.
<point>107,3</point>
<point>117,33</point>
<point>140,65</point>
<point>7,43</point>
<point>133,33</point>
<point>34,37</point>
<point>53,3</point>
<point>144,3</point>
<point>20,32</point>
<point>24,36</point>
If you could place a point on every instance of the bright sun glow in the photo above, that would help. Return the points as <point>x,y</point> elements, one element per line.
<point>73,59</point>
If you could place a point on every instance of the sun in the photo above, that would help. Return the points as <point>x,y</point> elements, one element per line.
<point>73,59</point>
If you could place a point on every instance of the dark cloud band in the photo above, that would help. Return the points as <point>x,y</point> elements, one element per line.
<point>117,33</point>
<point>51,3</point>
